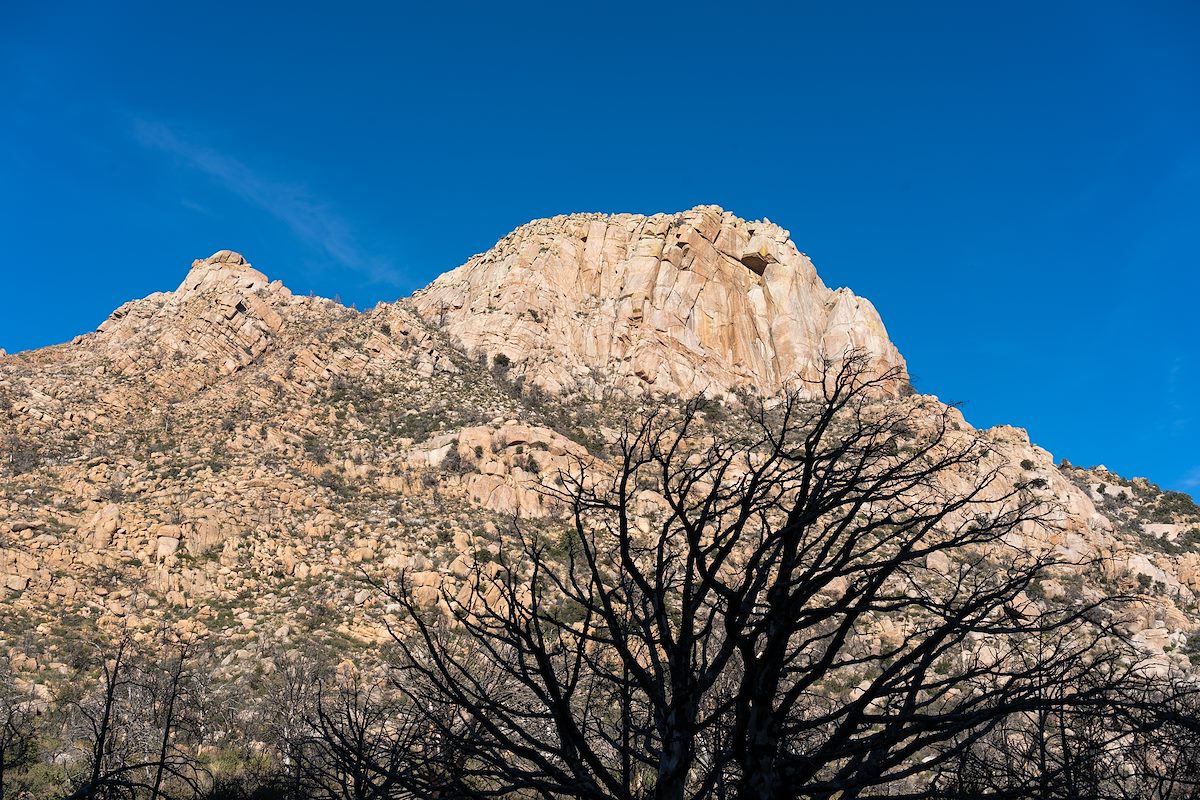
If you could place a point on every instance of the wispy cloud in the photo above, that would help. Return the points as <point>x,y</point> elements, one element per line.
<point>1191,479</point>
<point>308,218</point>
<point>1180,412</point>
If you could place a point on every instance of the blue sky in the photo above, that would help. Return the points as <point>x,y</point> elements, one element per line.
<point>1015,186</point>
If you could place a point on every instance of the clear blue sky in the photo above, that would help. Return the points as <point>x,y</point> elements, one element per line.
<point>1015,186</point>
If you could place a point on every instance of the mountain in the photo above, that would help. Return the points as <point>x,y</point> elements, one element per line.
<point>229,457</point>
<point>697,302</point>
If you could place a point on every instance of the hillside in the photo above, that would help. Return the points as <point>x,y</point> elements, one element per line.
<point>231,459</point>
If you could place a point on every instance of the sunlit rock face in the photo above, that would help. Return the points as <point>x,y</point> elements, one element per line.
<point>222,317</point>
<point>688,303</point>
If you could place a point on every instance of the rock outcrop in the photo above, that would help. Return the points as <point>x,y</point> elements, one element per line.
<point>695,302</point>
<point>222,317</point>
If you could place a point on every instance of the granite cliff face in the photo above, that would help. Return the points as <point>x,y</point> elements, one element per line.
<point>229,456</point>
<point>696,302</point>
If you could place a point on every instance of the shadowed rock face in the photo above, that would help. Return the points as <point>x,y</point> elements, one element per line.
<point>695,302</point>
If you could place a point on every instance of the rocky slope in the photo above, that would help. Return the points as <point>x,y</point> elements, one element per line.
<point>231,458</point>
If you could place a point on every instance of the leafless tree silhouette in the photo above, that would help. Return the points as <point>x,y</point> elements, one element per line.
<point>366,743</point>
<point>129,725</point>
<point>1141,744</point>
<point>18,735</point>
<point>821,598</point>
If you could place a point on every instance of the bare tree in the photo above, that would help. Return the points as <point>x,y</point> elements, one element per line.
<point>18,455</point>
<point>290,696</point>
<point>128,726</point>
<point>367,743</point>
<point>1166,753</point>
<point>1142,744</point>
<point>18,734</point>
<point>170,699</point>
<point>823,598</point>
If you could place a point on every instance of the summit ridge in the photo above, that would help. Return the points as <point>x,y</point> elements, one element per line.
<point>699,301</point>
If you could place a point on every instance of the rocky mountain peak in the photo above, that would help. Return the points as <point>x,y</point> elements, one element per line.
<point>222,316</point>
<point>697,301</point>
<point>225,269</point>
<point>222,258</point>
